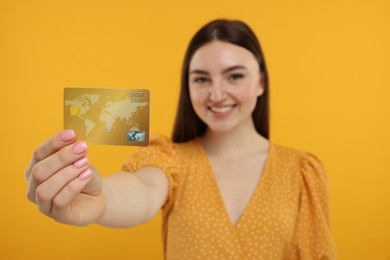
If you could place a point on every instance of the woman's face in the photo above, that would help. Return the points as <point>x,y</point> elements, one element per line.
<point>224,84</point>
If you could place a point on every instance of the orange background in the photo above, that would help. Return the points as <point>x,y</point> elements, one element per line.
<point>330,85</point>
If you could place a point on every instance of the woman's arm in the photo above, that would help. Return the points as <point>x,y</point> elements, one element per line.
<point>133,198</point>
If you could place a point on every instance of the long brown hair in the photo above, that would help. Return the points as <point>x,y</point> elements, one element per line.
<point>187,124</point>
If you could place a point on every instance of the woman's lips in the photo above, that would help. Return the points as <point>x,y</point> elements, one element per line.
<point>221,110</point>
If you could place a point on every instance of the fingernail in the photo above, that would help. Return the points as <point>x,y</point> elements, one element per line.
<point>80,147</point>
<point>81,162</point>
<point>68,135</point>
<point>85,174</point>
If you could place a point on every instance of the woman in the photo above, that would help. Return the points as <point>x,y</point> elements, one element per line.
<point>225,190</point>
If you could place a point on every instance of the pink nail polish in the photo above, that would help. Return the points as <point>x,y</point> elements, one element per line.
<point>81,162</point>
<point>68,135</point>
<point>86,174</point>
<point>80,147</point>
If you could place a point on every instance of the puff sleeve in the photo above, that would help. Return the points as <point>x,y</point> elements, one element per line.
<point>161,154</point>
<point>312,238</point>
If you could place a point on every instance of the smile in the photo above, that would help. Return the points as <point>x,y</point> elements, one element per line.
<point>222,110</point>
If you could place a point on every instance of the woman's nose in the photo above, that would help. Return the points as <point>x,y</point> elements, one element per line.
<point>217,92</point>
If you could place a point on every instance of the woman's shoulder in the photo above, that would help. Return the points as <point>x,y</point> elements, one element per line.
<point>293,158</point>
<point>304,168</point>
<point>291,153</point>
<point>163,142</point>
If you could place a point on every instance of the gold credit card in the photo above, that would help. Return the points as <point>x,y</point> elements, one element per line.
<point>108,116</point>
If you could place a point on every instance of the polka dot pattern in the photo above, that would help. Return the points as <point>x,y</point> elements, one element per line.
<point>286,218</point>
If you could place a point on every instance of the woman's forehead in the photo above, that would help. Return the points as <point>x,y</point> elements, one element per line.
<point>219,55</point>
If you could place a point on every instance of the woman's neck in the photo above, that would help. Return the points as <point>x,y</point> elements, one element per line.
<point>241,140</point>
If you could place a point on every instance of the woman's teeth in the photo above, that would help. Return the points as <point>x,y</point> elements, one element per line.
<point>221,109</point>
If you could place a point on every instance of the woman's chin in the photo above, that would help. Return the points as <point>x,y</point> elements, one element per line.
<point>220,128</point>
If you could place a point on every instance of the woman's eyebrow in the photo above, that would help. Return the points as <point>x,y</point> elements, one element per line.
<point>233,68</point>
<point>197,71</point>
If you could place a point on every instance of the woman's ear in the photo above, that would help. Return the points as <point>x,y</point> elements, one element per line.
<point>260,87</point>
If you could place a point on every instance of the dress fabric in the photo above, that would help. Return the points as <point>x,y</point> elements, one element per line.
<point>288,216</point>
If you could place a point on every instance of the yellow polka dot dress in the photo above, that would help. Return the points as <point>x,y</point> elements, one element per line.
<point>286,218</point>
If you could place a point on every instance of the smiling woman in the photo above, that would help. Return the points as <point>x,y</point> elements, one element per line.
<point>225,83</point>
<point>188,125</point>
<point>226,191</point>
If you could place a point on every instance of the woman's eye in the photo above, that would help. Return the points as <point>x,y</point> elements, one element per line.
<point>236,76</point>
<point>200,80</point>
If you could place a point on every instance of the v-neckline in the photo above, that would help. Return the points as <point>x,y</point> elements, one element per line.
<point>257,189</point>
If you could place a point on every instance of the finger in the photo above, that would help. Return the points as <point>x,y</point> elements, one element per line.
<point>61,203</point>
<point>62,158</point>
<point>54,144</point>
<point>46,191</point>
<point>49,147</point>
<point>46,168</point>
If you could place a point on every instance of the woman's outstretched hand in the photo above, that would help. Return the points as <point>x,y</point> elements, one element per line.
<point>62,183</point>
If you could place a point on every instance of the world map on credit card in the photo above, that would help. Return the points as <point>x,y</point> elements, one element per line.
<point>108,116</point>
